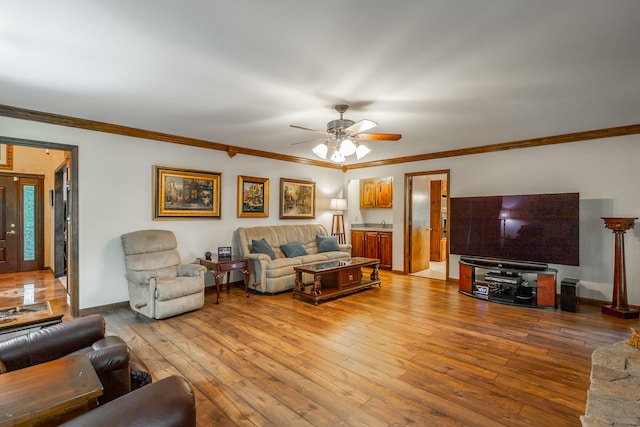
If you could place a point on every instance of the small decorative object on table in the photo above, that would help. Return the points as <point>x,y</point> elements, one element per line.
<point>207,256</point>
<point>224,252</point>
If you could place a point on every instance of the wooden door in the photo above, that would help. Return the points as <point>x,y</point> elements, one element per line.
<point>371,244</point>
<point>385,249</point>
<point>21,223</point>
<point>357,243</point>
<point>9,215</point>
<point>435,221</point>
<point>419,224</point>
<point>384,190</point>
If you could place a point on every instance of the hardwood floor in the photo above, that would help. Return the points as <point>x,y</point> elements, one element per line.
<point>30,287</point>
<point>415,352</point>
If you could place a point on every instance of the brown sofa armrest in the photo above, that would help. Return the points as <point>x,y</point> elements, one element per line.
<point>110,359</point>
<point>53,342</point>
<point>169,402</point>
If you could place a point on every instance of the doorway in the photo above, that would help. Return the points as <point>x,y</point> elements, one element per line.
<point>21,222</point>
<point>72,221</point>
<point>426,210</point>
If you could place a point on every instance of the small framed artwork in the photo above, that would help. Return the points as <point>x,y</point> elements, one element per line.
<point>185,193</point>
<point>224,252</point>
<point>253,197</point>
<point>297,199</point>
<point>6,156</point>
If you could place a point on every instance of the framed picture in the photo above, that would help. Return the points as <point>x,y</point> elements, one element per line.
<point>297,199</point>
<point>253,197</point>
<point>185,193</point>
<point>6,156</point>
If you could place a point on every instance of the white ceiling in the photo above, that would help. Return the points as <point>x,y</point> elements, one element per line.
<point>446,74</point>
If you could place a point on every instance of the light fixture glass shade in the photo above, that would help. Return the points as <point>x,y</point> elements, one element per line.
<point>347,147</point>
<point>337,157</point>
<point>338,204</point>
<point>321,150</point>
<point>362,151</point>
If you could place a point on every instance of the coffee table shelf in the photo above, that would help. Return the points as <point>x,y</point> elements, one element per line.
<point>332,279</point>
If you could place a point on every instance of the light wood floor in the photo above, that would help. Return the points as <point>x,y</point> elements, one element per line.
<point>414,352</point>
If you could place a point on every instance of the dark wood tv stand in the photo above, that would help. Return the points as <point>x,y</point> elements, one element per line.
<point>510,284</point>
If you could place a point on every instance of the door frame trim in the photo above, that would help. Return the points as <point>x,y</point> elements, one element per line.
<point>407,214</point>
<point>73,268</point>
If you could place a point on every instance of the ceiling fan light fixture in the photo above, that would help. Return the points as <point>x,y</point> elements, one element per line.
<point>321,150</point>
<point>347,147</point>
<point>337,157</point>
<point>361,151</point>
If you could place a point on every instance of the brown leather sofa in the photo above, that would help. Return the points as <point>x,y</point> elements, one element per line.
<point>109,355</point>
<point>169,402</point>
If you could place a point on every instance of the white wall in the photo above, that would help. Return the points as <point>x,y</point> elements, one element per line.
<point>115,197</point>
<point>115,192</point>
<point>605,173</point>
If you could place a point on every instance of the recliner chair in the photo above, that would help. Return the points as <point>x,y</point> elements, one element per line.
<point>159,285</point>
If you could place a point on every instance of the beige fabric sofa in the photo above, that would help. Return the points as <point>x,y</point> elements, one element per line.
<point>277,275</point>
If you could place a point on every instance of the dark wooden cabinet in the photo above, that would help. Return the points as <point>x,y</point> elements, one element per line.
<point>385,246</point>
<point>373,244</point>
<point>357,243</point>
<point>376,193</point>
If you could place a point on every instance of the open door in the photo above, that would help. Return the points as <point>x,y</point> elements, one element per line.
<point>60,237</point>
<point>419,223</point>
<point>426,221</point>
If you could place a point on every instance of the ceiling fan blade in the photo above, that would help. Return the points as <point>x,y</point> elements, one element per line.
<point>380,136</point>
<point>310,130</point>
<point>361,126</point>
<point>310,140</point>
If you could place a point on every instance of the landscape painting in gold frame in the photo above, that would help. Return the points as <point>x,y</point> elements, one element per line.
<point>297,199</point>
<point>185,193</point>
<point>253,197</point>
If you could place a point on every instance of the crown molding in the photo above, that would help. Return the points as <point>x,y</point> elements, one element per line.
<point>60,120</point>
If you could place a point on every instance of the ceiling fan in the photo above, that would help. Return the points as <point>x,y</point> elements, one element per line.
<point>343,135</point>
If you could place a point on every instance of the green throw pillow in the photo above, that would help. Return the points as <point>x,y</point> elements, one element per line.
<point>262,247</point>
<point>327,243</point>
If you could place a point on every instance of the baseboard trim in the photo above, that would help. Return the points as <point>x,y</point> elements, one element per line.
<point>102,308</point>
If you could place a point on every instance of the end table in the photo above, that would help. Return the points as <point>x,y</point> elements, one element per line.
<point>222,265</point>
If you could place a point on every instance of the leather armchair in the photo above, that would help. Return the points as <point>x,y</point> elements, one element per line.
<point>109,355</point>
<point>169,402</point>
<point>159,285</point>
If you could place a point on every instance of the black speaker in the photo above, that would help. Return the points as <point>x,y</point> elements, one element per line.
<point>569,294</point>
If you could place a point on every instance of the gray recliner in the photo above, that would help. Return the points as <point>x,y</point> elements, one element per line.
<point>159,285</point>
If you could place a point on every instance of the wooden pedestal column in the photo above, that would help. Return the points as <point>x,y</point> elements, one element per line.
<point>619,307</point>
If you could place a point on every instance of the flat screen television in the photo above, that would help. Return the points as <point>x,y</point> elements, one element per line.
<point>537,227</point>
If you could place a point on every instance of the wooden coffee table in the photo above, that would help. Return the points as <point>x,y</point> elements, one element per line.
<point>28,316</point>
<point>49,393</point>
<point>335,278</point>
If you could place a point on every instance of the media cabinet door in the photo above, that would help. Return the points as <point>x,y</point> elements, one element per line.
<point>465,282</point>
<point>546,290</point>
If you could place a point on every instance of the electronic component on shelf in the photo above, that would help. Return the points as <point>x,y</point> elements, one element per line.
<point>501,278</point>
